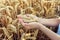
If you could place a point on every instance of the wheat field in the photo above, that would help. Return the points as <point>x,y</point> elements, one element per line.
<point>11,29</point>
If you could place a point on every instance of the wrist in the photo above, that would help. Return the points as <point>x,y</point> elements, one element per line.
<point>38,20</point>
<point>38,25</point>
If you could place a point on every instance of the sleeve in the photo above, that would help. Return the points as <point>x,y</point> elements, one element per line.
<point>58,31</point>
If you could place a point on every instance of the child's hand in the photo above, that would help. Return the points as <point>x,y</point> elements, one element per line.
<point>31,25</point>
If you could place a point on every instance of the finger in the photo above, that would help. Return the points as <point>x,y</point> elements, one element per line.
<point>27,27</point>
<point>18,16</point>
<point>20,20</point>
<point>25,24</point>
<point>27,15</point>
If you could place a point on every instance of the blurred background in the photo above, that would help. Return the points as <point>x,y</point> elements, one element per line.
<point>9,9</point>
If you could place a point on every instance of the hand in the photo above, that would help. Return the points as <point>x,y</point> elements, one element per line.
<point>31,25</point>
<point>32,16</point>
<point>28,25</point>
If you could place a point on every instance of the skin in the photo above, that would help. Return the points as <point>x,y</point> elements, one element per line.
<point>41,26</point>
<point>49,22</point>
<point>44,29</point>
<point>48,32</point>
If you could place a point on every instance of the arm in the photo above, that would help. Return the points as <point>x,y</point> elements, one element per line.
<point>48,32</point>
<point>41,27</point>
<point>49,22</point>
